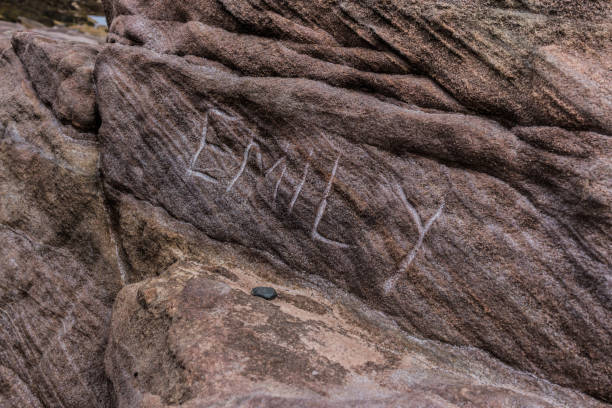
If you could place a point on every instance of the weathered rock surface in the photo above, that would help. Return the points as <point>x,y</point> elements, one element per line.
<point>185,345</point>
<point>62,74</point>
<point>530,62</point>
<point>58,268</point>
<point>417,168</point>
<point>195,338</point>
<point>433,169</point>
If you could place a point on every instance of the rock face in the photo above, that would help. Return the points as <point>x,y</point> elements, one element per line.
<point>58,268</point>
<point>193,338</point>
<point>62,74</point>
<point>428,185</point>
<point>50,12</point>
<point>530,62</point>
<point>434,164</point>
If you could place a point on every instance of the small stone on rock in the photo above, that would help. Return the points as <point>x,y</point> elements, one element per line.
<point>264,292</point>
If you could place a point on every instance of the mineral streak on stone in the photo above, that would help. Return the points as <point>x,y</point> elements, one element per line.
<point>264,292</point>
<point>429,184</point>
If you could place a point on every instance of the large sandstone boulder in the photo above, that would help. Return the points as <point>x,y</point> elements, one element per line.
<point>449,164</point>
<point>58,267</point>
<point>194,337</point>
<point>428,184</point>
<point>62,74</point>
<point>529,62</point>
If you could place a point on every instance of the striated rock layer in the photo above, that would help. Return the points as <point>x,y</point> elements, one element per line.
<point>58,269</point>
<point>428,185</point>
<point>448,163</point>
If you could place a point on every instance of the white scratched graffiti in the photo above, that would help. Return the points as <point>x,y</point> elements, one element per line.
<point>280,164</point>
<point>231,169</point>
<point>191,170</point>
<point>203,173</point>
<point>422,231</point>
<point>280,169</point>
<point>298,189</point>
<point>314,234</point>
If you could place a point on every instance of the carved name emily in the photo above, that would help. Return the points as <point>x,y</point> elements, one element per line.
<point>253,148</point>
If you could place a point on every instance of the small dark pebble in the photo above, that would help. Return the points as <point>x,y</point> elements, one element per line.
<point>264,292</point>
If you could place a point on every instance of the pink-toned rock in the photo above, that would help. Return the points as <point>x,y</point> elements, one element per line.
<point>467,231</point>
<point>195,338</point>
<point>484,53</point>
<point>427,184</point>
<point>58,267</point>
<point>62,74</point>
